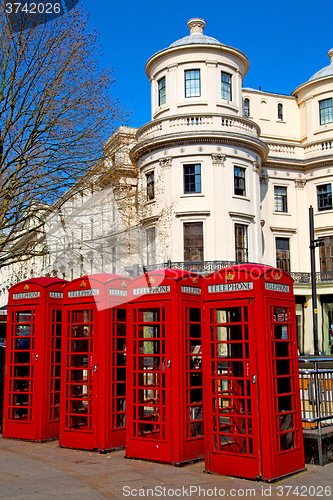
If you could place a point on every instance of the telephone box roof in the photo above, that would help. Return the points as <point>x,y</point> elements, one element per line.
<point>174,274</point>
<point>256,270</point>
<point>102,278</point>
<point>43,281</point>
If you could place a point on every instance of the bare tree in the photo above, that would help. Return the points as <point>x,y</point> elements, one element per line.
<point>56,111</point>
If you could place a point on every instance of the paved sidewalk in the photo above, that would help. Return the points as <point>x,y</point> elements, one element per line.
<point>43,471</point>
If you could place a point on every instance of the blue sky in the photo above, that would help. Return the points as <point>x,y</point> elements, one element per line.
<point>286,41</point>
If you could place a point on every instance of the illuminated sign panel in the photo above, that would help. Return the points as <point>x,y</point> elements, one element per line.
<point>276,287</point>
<point>154,289</point>
<point>83,293</point>
<point>191,289</point>
<point>231,287</point>
<point>26,295</point>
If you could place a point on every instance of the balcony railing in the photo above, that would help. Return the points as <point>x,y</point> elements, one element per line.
<point>209,266</point>
<point>197,121</point>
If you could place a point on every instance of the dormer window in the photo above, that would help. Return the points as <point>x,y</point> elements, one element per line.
<point>226,86</point>
<point>280,112</point>
<point>192,83</point>
<point>326,111</point>
<point>246,106</point>
<point>161,91</point>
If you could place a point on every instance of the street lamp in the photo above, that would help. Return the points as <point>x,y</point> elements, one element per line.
<point>313,244</point>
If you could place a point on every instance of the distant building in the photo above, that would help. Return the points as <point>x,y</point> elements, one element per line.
<point>227,174</point>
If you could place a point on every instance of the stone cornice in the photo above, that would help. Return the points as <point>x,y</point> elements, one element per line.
<point>242,216</point>
<point>209,137</point>
<point>193,213</point>
<point>149,220</point>
<point>282,163</point>
<point>290,230</point>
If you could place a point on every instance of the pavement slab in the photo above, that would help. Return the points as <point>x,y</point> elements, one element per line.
<point>45,471</point>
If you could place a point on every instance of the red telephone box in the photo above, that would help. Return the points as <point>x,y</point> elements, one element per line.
<point>253,421</point>
<point>93,363</point>
<point>165,393</point>
<point>33,360</point>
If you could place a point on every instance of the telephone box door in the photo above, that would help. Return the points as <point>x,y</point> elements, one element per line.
<point>81,373</point>
<point>53,370</point>
<point>233,423</point>
<point>22,374</point>
<point>285,388</point>
<point>151,403</point>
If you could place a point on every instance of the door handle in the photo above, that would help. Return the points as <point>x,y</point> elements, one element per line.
<point>169,363</point>
<point>254,379</point>
<point>95,368</point>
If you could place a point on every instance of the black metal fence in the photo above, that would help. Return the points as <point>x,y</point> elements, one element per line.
<point>209,266</point>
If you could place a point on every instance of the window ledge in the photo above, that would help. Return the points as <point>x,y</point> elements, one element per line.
<point>239,197</point>
<point>326,127</point>
<point>150,202</point>
<point>280,121</point>
<point>160,110</point>
<point>191,102</point>
<point>191,195</point>
<point>282,213</point>
<point>322,212</point>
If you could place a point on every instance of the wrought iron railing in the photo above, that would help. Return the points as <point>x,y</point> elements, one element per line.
<point>316,390</point>
<point>209,266</point>
<point>321,277</point>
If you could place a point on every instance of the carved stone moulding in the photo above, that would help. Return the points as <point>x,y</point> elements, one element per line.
<point>263,179</point>
<point>218,159</point>
<point>300,183</point>
<point>165,162</point>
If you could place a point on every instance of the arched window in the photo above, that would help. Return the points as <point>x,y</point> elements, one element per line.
<point>280,112</point>
<point>263,110</point>
<point>246,107</point>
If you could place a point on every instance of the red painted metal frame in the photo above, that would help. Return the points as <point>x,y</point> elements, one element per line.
<point>165,393</point>
<point>253,427</point>
<point>32,378</point>
<point>94,320</point>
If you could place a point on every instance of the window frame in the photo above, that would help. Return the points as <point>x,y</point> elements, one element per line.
<point>226,86</point>
<point>191,249</point>
<point>320,196</point>
<point>280,112</point>
<point>192,90</point>
<point>326,254</point>
<point>237,179</point>
<point>279,259</point>
<point>244,249</point>
<point>187,176</point>
<point>161,91</point>
<point>151,245</point>
<point>246,109</point>
<point>150,184</point>
<point>324,116</point>
<point>280,198</point>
